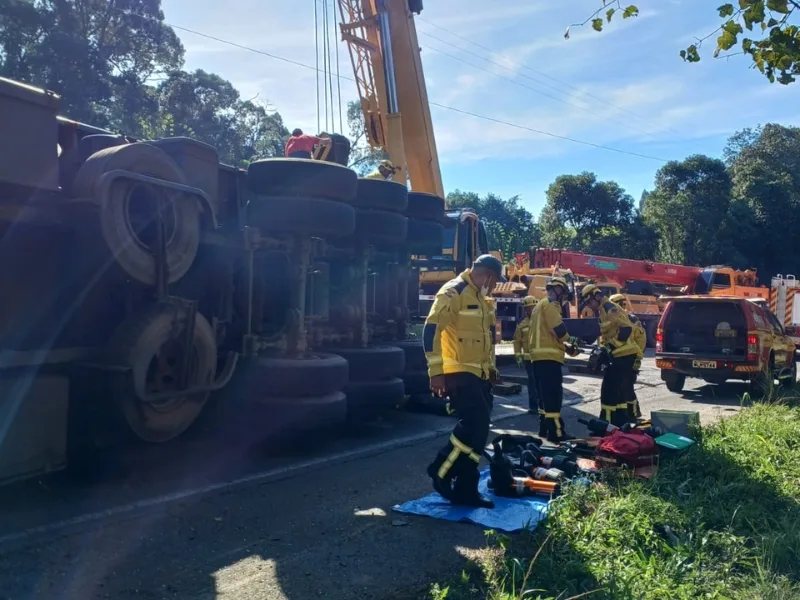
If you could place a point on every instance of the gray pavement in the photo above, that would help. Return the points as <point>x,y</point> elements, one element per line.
<point>218,521</point>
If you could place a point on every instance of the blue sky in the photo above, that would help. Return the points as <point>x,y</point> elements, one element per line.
<point>626,87</point>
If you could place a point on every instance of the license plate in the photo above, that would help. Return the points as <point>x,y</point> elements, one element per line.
<point>704,364</point>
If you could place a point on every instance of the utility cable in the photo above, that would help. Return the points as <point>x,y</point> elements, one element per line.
<point>442,106</point>
<point>538,72</point>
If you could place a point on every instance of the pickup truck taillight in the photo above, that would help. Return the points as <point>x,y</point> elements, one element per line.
<point>752,347</point>
<point>659,340</point>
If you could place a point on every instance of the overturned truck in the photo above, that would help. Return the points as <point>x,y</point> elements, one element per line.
<point>141,278</point>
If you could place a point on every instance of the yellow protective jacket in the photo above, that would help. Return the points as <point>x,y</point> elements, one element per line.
<point>521,338</point>
<point>547,333</point>
<point>459,332</point>
<point>639,334</point>
<point>616,330</point>
<point>375,175</point>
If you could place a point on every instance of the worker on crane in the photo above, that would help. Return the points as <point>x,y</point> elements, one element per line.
<point>616,331</point>
<point>522,354</point>
<point>546,342</point>
<point>459,345</point>
<point>301,145</point>
<point>640,337</point>
<point>385,171</point>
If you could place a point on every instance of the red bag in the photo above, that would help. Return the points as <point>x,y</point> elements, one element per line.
<point>633,448</point>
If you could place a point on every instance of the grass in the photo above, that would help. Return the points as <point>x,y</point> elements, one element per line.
<point>720,521</point>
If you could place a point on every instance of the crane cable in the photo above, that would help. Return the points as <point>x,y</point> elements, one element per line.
<point>316,58</point>
<point>330,65</point>
<point>338,77</point>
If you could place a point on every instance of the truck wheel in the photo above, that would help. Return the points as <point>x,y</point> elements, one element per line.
<point>365,398</point>
<point>380,226</point>
<point>127,214</point>
<point>281,416</point>
<point>302,177</point>
<point>381,195</point>
<point>151,344</point>
<point>788,382</point>
<point>417,382</point>
<point>311,216</point>
<point>675,382</point>
<point>317,375</point>
<point>415,354</point>
<point>373,363</point>
<point>425,237</point>
<point>426,207</point>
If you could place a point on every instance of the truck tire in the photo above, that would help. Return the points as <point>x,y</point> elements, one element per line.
<point>789,381</point>
<point>365,398</point>
<point>381,195</point>
<point>417,382</point>
<point>287,415</point>
<point>151,345</point>
<point>373,363</point>
<point>675,382</point>
<point>425,237</point>
<point>380,226</point>
<point>317,375</point>
<point>127,213</point>
<point>414,354</point>
<point>426,207</point>
<point>302,177</point>
<point>299,214</point>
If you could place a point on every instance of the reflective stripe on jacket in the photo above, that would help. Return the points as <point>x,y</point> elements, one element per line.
<point>617,330</point>
<point>459,332</point>
<point>547,333</point>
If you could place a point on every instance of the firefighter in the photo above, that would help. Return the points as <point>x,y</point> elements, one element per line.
<point>640,338</point>
<point>616,331</point>
<point>385,171</point>
<point>522,354</point>
<point>547,335</point>
<point>459,345</point>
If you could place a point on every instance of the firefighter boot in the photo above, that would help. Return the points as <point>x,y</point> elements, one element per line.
<point>465,490</point>
<point>542,424</point>
<point>442,485</point>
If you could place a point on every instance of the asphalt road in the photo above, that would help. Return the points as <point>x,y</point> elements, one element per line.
<point>215,520</point>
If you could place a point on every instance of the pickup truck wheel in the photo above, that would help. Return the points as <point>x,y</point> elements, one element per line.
<point>675,382</point>
<point>151,344</point>
<point>425,237</point>
<point>381,226</point>
<point>367,398</point>
<point>127,212</point>
<point>317,375</point>
<point>298,214</point>
<point>791,379</point>
<point>374,363</point>
<point>381,195</point>
<point>302,177</point>
<point>426,207</point>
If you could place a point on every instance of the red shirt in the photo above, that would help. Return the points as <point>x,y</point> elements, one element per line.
<point>301,143</point>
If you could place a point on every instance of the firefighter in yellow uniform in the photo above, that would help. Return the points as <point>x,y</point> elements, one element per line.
<point>386,170</point>
<point>522,354</point>
<point>616,331</point>
<point>547,336</point>
<point>459,345</point>
<point>640,338</point>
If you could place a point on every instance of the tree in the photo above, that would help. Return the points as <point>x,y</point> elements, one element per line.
<point>510,227</point>
<point>688,208</point>
<point>584,214</point>
<point>765,170</point>
<point>774,49</point>
<point>363,158</point>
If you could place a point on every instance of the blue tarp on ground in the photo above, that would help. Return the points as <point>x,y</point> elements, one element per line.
<point>509,514</point>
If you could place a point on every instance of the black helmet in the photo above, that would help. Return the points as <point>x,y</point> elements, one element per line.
<point>487,261</point>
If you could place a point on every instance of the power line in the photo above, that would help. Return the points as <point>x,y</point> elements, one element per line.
<point>442,106</point>
<point>538,72</point>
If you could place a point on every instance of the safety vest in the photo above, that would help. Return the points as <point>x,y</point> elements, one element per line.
<point>639,333</point>
<point>547,333</point>
<point>521,338</point>
<point>459,332</point>
<point>613,322</point>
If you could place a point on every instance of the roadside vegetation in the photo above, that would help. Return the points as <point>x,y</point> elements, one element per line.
<point>720,521</point>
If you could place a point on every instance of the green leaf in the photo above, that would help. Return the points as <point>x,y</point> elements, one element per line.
<point>726,10</point>
<point>597,24</point>
<point>610,13</point>
<point>747,44</point>
<point>778,6</point>
<point>726,41</point>
<point>630,11</point>
<point>772,22</point>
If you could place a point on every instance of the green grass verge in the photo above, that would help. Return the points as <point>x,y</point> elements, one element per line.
<point>720,521</point>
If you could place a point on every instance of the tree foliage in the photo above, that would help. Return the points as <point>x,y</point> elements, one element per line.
<point>767,31</point>
<point>510,227</point>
